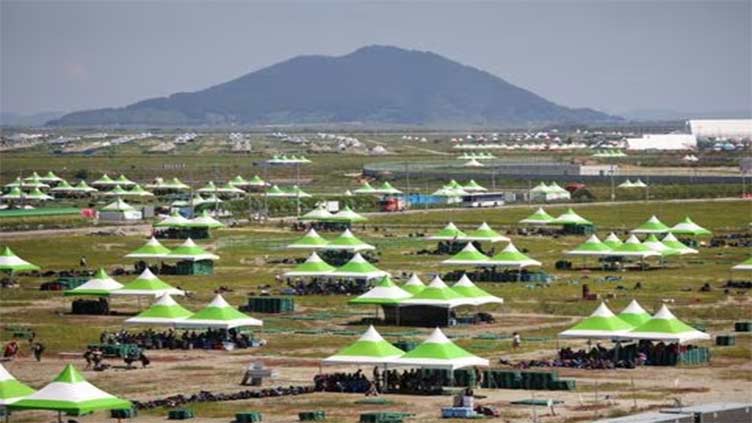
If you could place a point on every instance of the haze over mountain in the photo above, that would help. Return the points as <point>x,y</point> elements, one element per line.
<point>372,85</point>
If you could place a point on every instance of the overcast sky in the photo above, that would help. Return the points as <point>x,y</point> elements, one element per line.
<point>689,56</point>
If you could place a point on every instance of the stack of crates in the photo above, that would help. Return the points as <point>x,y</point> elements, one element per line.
<point>694,357</point>
<point>383,417</point>
<point>514,379</point>
<point>725,340</point>
<point>743,326</point>
<point>180,414</point>
<point>248,417</point>
<point>309,416</point>
<point>270,305</point>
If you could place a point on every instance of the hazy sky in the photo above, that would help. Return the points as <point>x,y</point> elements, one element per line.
<point>616,56</point>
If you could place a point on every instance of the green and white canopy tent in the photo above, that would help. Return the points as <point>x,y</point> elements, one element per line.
<point>11,390</point>
<point>84,187</point>
<point>473,186</point>
<point>230,189</point>
<point>473,163</point>
<point>634,314</point>
<point>51,177</point>
<point>276,191</point>
<point>540,217</point>
<point>664,326</point>
<point>15,184</point>
<point>671,241</point>
<point>174,220</point>
<point>256,181</point>
<point>70,393</point>
<point>359,268</point>
<point>63,186</point>
<point>438,294</point>
<point>384,292</point>
<point>318,214</point>
<point>34,177</point>
<point>313,266</point>
<point>414,284</point>
<point>510,256</point>
<point>654,244</point>
<point>178,185</point>
<point>541,188</point>
<point>188,250</point>
<point>218,314</point>
<point>387,189</point>
<point>570,218</point>
<point>467,288</point>
<point>485,233</point>
<point>204,220</point>
<point>118,191</point>
<point>639,184</point>
<point>745,265</point>
<point>118,205</point>
<point>369,349</point>
<point>689,228</point>
<point>632,247</point>
<point>37,195</point>
<point>592,247</point>
<point>164,311</point>
<point>349,242</point>
<point>239,182</point>
<point>210,187</point>
<point>15,193</point>
<point>138,191</point>
<point>366,188</point>
<point>612,241</point>
<point>440,353</point>
<point>347,215</point>
<point>449,191</point>
<point>449,233</point>
<point>9,262</point>
<point>153,249</point>
<point>626,184</point>
<point>651,226</point>
<point>100,285</point>
<point>34,183</point>
<point>603,323</point>
<point>469,255</point>
<point>310,241</point>
<point>148,284</point>
<point>123,181</point>
<point>104,181</point>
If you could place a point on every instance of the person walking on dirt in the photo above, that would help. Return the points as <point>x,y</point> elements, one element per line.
<point>37,349</point>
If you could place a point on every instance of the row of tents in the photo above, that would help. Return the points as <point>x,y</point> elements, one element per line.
<point>634,323</point>
<point>188,250</point>
<point>612,246</point>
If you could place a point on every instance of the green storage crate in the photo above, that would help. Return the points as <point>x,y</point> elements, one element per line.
<point>743,327</point>
<point>725,340</point>
<point>200,267</point>
<point>180,414</point>
<point>309,416</point>
<point>383,417</point>
<point>123,413</point>
<point>248,417</point>
<point>271,304</point>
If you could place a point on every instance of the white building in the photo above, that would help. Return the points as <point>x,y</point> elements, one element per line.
<point>662,142</point>
<point>721,128</point>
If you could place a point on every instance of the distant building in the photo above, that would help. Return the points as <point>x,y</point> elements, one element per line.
<point>721,128</point>
<point>662,142</point>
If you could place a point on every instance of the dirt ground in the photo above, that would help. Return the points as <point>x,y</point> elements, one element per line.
<point>599,393</point>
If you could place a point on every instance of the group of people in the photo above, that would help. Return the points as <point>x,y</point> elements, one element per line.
<point>740,240</point>
<point>328,287</point>
<point>12,349</point>
<point>620,356</point>
<point>186,340</point>
<point>345,382</point>
<point>206,396</point>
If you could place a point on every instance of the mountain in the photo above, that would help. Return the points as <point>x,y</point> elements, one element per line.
<point>372,85</point>
<point>35,119</point>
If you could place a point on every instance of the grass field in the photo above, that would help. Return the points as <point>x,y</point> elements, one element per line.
<point>249,256</point>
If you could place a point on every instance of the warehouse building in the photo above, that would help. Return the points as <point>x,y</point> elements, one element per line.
<point>736,129</point>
